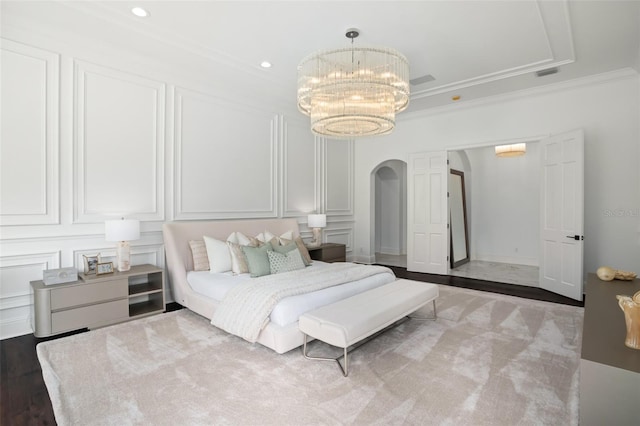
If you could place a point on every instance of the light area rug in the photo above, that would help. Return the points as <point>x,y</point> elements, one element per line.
<point>488,360</point>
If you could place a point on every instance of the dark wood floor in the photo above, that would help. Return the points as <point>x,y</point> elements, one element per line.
<point>24,399</point>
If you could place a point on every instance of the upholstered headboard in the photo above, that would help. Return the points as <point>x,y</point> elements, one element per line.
<point>178,254</point>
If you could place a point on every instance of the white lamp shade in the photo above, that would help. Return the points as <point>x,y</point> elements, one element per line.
<point>317,220</point>
<point>122,230</point>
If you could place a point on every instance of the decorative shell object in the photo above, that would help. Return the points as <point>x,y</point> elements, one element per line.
<point>606,273</point>
<point>631,308</point>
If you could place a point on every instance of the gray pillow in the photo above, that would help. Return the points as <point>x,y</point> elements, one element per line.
<point>258,260</point>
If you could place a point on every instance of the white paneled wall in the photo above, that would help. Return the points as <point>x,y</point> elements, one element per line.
<point>30,89</point>
<point>85,140</point>
<point>119,144</point>
<point>224,167</point>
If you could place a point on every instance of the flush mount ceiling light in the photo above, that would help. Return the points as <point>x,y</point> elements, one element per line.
<point>138,11</point>
<point>353,92</point>
<point>513,150</point>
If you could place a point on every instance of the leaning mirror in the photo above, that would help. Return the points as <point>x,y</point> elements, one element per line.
<point>458,220</point>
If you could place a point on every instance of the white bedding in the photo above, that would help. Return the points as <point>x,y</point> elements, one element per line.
<point>216,286</point>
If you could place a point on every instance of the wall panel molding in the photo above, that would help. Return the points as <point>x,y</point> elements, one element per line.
<point>119,145</point>
<point>299,162</point>
<point>338,181</point>
<point>16,273</point>
<point>225,159</point>
<point>29,169</point>
<point>343,235</point>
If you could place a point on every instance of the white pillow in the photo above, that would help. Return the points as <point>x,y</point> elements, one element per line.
<point>243,240</point>
<point>218,254</point>
<point>233,238</point>
<point>268,236</point>
<point>239,238</point>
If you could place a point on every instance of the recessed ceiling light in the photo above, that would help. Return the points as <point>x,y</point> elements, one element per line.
<point>265,64</point>
<point>138,11</point>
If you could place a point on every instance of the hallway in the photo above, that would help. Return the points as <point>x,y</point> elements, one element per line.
<point>480,270</point>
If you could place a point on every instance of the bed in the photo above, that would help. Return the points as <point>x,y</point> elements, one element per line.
<point>192,289</point>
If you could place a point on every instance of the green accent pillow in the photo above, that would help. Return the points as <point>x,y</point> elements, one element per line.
<point>285,262</point>
<point>258,260</point>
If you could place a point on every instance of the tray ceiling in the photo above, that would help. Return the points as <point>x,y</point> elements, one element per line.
<point>470,48</point>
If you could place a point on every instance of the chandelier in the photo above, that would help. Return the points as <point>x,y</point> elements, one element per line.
<point>353,92</point>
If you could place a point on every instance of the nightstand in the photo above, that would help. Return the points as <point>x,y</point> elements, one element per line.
<point>329,252</point>
<point>97,300</point>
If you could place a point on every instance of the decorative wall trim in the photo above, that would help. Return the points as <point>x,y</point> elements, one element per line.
<point>140,254</point>
<point>287,163</point>
<point>327,190</point>
<point>49,155</point>
<point>551,88</point>
<point>83,212</point>
<point>15,299</point>
<point>248,113</point>
<point>344,235</point>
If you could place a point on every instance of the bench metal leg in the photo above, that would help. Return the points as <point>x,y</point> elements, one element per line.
<point>345,369</point>
<point>433,318</point>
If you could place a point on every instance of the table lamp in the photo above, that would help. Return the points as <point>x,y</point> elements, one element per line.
<point>316,222</point>
<point>122,231</point>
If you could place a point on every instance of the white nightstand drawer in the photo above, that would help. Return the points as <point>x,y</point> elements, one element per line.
<point>85,294</point>
<point>90,316</point>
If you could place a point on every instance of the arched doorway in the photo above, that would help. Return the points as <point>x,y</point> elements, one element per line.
<point>389,211</point>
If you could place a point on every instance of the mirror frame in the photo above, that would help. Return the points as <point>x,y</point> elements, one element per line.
<point>462,261</point>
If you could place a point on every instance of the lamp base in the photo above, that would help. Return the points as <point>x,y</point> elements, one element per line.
<point>123,254</point>
<point>317,238</point>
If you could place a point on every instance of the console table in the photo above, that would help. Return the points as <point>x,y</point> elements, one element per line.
<point>97,300</point>
<point>609,371</point>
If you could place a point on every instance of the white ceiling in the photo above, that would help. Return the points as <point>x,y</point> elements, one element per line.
<point>472,48</point>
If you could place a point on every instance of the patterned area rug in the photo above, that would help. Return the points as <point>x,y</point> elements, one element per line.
<point>488,359</point>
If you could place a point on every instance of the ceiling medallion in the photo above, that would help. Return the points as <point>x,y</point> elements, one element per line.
<point>353,92</point>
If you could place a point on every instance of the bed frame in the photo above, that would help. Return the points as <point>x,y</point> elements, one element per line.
<point>180,261</point>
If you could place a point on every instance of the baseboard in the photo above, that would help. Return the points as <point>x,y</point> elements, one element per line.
<point>15,327</point>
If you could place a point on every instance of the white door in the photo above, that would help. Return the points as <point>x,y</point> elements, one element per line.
<point>561,214</point>
<point>427,224</point>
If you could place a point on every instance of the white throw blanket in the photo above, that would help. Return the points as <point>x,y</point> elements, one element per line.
<point>246,308</point>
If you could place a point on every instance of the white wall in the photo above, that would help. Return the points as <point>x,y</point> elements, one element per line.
<point>506,206</point>
<point>606,107</point>
<point>90,133</point>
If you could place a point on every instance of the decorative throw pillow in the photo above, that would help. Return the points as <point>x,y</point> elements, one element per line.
<point>218,254</point>
<point>285,262</point>
<point>199,254</point>
<point>238,259</point>
<point>284,248</point>
<point>268,236</point>
<point>258,259</point>
<point>239,238</point>
<point>306,257</point>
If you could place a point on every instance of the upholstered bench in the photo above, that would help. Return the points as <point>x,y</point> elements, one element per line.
<point>350,321</point>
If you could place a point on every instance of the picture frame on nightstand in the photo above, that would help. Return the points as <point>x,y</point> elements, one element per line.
<point>91,263</point>
<point>104,268</point>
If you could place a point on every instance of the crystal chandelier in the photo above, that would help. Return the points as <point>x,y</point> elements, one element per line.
<point>354,91</point>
